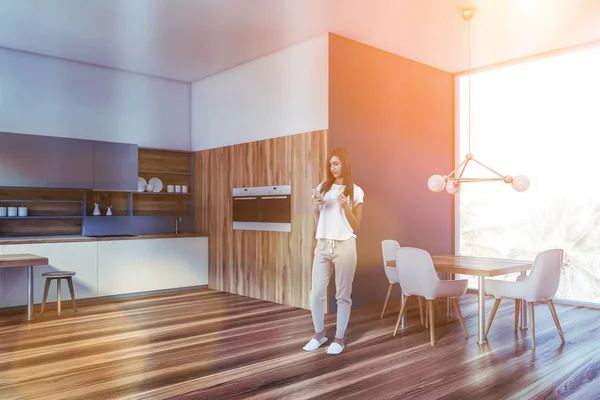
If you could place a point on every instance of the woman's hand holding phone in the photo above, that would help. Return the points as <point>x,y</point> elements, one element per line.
<point>317,198</point>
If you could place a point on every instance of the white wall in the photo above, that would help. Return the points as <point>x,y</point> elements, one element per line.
<point>280,94</point>
<point>54,97</point>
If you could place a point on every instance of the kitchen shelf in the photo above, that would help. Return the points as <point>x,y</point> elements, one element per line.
<point>172,168</point>
<point>164,193</point>
<point>64,211</point>
<point>136,192</point>
<point>45,217</point>
<point>149,171</point>
<point>41,201</point>
<point>107,216</point>
<point>120,202</point>
<point>51,211</point>
<point>110,190</point>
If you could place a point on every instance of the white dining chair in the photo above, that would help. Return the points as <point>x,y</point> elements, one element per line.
<point>541,285</point>
<point>389,248</point>
<point>417,277</point>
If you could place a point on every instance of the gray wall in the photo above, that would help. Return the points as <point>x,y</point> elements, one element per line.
<point>396,117</point>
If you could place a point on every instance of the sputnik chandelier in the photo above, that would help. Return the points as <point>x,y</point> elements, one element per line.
<point>454,180</point>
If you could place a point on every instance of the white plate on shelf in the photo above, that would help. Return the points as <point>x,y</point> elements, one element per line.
<point>141,184</point>
<point>157,183</point>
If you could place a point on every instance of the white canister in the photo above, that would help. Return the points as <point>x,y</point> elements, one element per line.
<point>12,211</point>
<point>22,211</point>
<point>2,211</point>
<point>170,188</point>
<point>184,189</point>
<point>177,188</point>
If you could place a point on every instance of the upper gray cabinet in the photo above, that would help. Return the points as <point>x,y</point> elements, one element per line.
<point>115,166</point>
<point>44,161</point>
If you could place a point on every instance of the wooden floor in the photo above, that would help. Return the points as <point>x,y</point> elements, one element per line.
<point>209,345</point>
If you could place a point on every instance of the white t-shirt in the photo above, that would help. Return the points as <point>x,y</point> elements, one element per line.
<point>333,223</point>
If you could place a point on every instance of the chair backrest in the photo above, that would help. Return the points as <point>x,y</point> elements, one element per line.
<point>389,248</point>
<point>544,278</point>
<point>416,272</point>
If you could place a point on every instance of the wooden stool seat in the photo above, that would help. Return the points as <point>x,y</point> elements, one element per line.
<point>58,275</point>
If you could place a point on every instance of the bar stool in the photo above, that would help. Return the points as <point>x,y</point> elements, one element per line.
<point>58,275</point>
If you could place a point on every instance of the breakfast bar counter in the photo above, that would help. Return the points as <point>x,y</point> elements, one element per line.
<point>24,260</point>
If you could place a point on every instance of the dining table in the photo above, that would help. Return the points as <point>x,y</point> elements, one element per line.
<point>482,268</point>
<point>29,261</point>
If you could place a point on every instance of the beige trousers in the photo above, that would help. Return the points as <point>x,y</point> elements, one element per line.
<point>329,254</point>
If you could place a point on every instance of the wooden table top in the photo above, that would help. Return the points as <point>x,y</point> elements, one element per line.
<point>476,266</point>
<point>21,260</point>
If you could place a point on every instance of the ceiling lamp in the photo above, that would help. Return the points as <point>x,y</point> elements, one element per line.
<point>453,181</point>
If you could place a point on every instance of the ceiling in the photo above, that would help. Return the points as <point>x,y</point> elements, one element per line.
<point>188,40</point>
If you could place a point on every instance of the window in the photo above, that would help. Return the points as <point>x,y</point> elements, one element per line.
<point>541,119</point>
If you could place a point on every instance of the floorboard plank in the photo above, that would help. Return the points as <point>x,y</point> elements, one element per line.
<point>205,344</point>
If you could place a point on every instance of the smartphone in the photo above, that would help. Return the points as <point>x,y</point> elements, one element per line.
<point>316,193</point>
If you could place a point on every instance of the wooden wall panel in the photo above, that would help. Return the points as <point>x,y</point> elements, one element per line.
<point>52,208</point>
<point>273,266</point>
<point>163,160</point>
<point>201,190</point>
<point>308,166</point>
<point>41,194</point>
<point>221,275</point>
<point>40,227</point>
<point>161,204</point>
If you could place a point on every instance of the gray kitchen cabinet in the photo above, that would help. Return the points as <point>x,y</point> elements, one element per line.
<point>115,166</point>
<point>45,161</point>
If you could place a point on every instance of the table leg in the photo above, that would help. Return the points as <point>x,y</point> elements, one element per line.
<point>481,323</point>
<point>29,292</point>
<point>448,299</point>
<point>523,308</point>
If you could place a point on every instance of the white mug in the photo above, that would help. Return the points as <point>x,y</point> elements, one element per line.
<point>170,188</point>
<point>12,211</point>
<point>177,188</point>
<point>184,189</point>
<point>22,211</point>
<point>2,211</point>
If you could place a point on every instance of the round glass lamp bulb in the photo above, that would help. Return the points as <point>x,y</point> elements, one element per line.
<point>520,183</point>
<point>436,183</point>
<point>452,188</point>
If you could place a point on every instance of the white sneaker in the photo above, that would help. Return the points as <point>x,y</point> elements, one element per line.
<point>335,348</point>
<point>314,344</point>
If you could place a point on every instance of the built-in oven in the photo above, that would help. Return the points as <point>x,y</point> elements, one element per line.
<point>265,208</point>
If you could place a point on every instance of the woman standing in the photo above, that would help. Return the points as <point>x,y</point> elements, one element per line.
<point>337,207</point>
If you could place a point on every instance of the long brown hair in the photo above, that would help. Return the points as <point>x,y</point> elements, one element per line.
<point>344,156</point>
